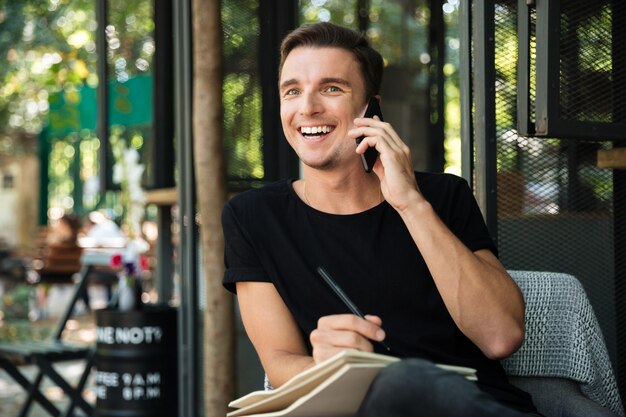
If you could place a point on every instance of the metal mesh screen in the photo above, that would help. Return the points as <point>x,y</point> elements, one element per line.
<point>555,207</point>
<point>589,88</point>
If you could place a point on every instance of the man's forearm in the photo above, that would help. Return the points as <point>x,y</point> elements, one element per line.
<point>282,366</point>
<point>482,299</point>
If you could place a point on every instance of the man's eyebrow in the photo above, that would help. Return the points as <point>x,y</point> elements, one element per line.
<point>333,80</point>
<point>288,83</point>
<point>325,80</point>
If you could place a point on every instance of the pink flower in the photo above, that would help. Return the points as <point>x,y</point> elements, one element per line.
<point>116,260</point>
<point>144,265</point>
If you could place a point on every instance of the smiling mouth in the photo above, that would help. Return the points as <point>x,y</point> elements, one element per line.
<point>315,132</point>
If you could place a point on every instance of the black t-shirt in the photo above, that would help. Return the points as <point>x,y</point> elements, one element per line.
<point>273,236</point>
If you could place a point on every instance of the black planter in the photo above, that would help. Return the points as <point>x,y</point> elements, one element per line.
<point>136,362</point>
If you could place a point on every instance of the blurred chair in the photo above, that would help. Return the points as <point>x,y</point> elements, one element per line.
<point>563,363</point>
<point>43,354</point>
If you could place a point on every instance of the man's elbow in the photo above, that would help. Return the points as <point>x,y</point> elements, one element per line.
<point>505,344</point>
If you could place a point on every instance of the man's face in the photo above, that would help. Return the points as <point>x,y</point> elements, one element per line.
<point>321,92</point>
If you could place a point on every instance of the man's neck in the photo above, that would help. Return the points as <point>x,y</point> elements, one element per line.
<point>345,192</point>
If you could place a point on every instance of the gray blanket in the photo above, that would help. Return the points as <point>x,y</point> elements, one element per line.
<point>563,338</point>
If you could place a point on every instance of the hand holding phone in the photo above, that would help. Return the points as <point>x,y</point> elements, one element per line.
<point>371,154</point>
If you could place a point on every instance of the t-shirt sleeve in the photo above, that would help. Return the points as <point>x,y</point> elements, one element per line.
<point>240,258</point>
<point>467,221</point>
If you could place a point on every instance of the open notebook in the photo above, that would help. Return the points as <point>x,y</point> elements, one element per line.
<point>335,387</point>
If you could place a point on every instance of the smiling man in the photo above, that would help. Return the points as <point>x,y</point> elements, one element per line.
<point>409,248</point>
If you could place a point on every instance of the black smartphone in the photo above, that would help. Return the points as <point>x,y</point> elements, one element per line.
<point>369,156</point>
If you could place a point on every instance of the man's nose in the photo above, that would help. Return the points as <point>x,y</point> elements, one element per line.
<point>310,104</point>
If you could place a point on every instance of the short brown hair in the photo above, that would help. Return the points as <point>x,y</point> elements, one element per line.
<point>330,35</point>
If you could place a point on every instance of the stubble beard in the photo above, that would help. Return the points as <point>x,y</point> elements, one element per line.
<point>330,162</point>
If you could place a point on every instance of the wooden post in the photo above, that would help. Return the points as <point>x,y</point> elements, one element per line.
<point>210,173</point>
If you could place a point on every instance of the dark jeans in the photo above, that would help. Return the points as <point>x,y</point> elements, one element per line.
<point>415,388</point>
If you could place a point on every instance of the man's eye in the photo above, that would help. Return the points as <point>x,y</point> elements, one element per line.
<point>333,89</point>
<point>291,92</point>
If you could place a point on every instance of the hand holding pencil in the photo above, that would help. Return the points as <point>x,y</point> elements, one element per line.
<point>344,331</point>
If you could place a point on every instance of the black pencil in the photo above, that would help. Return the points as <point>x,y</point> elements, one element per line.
<point>344,298</point>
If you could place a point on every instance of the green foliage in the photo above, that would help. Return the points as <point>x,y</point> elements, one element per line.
<point>242,126</point>
<point>130,41</point>
<point>341,12</point>
<point>44,46</point>
<point>49,47</point>
<point>242,96</point>
<point>18,329</point>
<point>15,303</point>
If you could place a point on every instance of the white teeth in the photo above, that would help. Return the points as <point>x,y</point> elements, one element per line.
<point>313,130</point>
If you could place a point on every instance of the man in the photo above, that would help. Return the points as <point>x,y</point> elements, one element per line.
<point>410,249</point>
